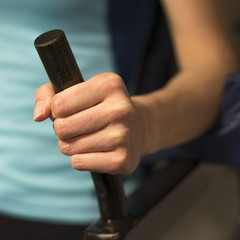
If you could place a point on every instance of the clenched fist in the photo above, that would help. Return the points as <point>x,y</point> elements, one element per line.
<point>96,122</point>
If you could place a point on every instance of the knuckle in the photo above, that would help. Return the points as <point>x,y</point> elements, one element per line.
<point>65,148</point>
<point>113,81</point>
<point>126,109</point>
<point>61,129</point>
<point>119,136</point>
<point>77,163</point>
<point>116,83</point>
<point>116,138</point>
<point>122,110</point>
<point>112,75</point>
<point>122,162</point>
<point>58,105</point>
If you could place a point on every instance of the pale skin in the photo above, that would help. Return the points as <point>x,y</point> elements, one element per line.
<point>105,130</point>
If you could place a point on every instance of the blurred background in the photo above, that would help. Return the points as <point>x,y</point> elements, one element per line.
<point>232,13</point>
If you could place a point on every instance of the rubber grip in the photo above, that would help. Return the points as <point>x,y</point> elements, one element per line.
<point>58,59</point>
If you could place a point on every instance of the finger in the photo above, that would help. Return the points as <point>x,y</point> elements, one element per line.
<point>86,94</point>
<point>43,98</point>
<point>107,139</point>
<point>91,120</point>
<point>87,121</point>
<point>115,162</point>
<point>76,98</point>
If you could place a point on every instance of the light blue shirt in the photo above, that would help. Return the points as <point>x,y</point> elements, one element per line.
<point>36,180</point>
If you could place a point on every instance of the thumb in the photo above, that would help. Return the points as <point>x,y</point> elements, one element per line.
<point>43,98</point>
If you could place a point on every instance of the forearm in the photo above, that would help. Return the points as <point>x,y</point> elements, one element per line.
<point>189,104</point>
<point>183,110</point>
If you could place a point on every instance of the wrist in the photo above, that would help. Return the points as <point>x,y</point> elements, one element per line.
<point>157,120</point>
<point>143,121</point>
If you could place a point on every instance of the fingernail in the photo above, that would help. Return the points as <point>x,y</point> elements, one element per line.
<point>38,110</point>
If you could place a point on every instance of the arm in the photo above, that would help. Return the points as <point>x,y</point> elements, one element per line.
<point>189,104</point>
<point>105,130</point>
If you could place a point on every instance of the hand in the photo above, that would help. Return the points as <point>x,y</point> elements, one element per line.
<point>96,122</point>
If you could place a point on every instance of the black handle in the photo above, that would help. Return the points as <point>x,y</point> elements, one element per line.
<point>58,60</point>
<point>62,69</point>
